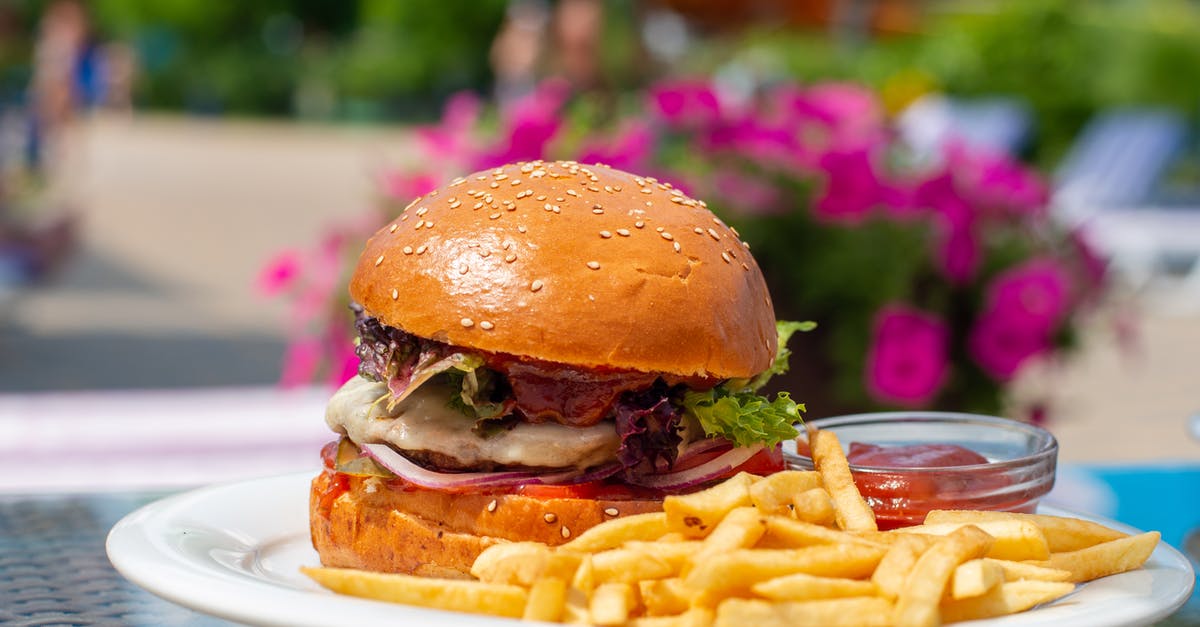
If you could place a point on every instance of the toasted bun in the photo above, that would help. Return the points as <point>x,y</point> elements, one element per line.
<point>587,266</point>
<point>424,532</point>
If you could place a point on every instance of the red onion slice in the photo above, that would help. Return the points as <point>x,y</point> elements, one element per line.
<point>399,464</point>
<point>703,445</point>
<point>709,470</point>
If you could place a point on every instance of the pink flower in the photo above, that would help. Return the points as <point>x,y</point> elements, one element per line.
<point>1095,268</point>
<point>405,186</point>
<point>686,103</point>
<point>1038,289</point>
<point>450,139</point>
<point>1001,341</point>
<point>279,273</point>
<point>907,361</point>
<point>958,251</point>
<point>996,181</point>
<point>852,188</point>
<point>630,150</point>
<point>529,126</point>
<point>301,360</point>
<point>848,110</point>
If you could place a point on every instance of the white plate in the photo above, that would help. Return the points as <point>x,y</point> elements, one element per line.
<point>234,551</point>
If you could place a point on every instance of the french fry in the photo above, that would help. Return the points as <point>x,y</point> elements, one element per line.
<point>518,563</point>
<point>547,600</point>
<point>917,603</point>
<point>618,531</point>
<point>787,533</point>
<point>628,566</point>
<point>740,529</point>
<point>892,572</point>
<point>814,506</point>
<point>773,493</point>
<point>974,578</point>
<point>1016,571</point>
<point>849,612</point>
<point>1006,598</point>
<point>850,509</point>
<point>1015,539</point>
<point>736,571</point>
<point>664,597</point>
<point>696,515</point>
<point>612,603</point>
<point>444,594</point>
<point>805,587</point>
<point>1108,558</point>
<point>694,617</point>
<point>1062,533</point>
<point>676,554</point>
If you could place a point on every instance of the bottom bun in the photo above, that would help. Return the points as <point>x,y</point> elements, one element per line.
<point>365,523</point>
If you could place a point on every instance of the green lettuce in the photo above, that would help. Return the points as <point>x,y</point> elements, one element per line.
<point>735,411</point>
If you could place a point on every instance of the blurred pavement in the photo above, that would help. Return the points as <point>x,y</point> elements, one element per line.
<point>180,214</point>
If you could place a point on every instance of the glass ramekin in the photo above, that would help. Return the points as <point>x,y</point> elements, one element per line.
<point>1020,468</point>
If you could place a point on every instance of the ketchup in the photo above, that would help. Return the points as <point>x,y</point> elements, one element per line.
<point>902,485</point>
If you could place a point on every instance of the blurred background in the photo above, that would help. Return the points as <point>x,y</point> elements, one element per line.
<point>986,206</point>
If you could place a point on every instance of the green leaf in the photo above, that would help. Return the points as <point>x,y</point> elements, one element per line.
<point>744,417</point>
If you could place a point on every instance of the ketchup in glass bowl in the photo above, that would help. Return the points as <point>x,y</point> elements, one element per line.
<point>908,463</point>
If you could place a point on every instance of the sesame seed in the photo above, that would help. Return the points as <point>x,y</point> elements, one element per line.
<point>455,204</point>
<point>429,224</point>
<point>410,205</point>
<point>698,231</point>
<point>463,269</point>
<point>507,245</point>
<point>485,253</point>
<point>379,260</point>
<point>486,325</point>
<point>521,229</point>
<point>639,224</point>
<point>640,181</point>
<point>403,217</point>
<point>395,294</point>
<point>718,222</point>
<point>598,211</point>
<point>408,250</point>
<point>510,258</point>
<point>659,229</point>
<point>422,211</point>
<point>420,223</point>
<point>566,533</point>
<point>527,168</point>
<point>647,190</point>
<point>745,267</point>
<point>501,176</point>
<point>494,216</point>
<point>677,247</point>
<point>665,235</point>
<point>481,177</point>
<point>746,245</point>
<point>548,207</point>
<point>467,323</point>
<point>713,234</point>
<point>605,234</point>
<point>617,187</point>
<point>487,198</point>
<point>536,285</point>
<point>725,257</point>
<point>560,199</point>
<point>593,188</point>
<point>492,506</point>
<point>612,511</point>
<point>557,209</point>
<point>478,205</point>
<point>677,200</point>
<point>623,232</point>
<point>458,181</point>
<point>550,517</point>
<point>541,197</point>
<point>537,174</point>
<point>493,185</point>
<point>595,265</point>
<point>392,229</point>
<point>421,249</point>
<point>732,253</point>
<point>735,231</point>
<point>608,188</point>
<point>515,182</point>
<point>571,192</point>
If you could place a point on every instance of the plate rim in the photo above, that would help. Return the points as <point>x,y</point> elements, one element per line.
<point>149,562</point>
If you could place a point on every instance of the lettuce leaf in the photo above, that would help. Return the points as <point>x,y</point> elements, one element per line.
<point>745,418</point>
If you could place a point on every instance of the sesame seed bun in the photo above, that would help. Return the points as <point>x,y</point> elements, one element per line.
<point>439,534</point>
<point>581,265</point>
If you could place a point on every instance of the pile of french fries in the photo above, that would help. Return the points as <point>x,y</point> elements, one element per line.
<point>792,548</point>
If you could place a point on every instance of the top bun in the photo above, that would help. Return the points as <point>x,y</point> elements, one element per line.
<point>580,265</point>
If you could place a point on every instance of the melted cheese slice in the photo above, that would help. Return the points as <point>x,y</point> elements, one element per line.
<point>424,422</point>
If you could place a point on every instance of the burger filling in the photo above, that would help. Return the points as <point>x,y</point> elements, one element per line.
<point>421,407</point>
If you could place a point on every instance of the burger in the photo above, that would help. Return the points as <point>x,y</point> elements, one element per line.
<point>543,346</point>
